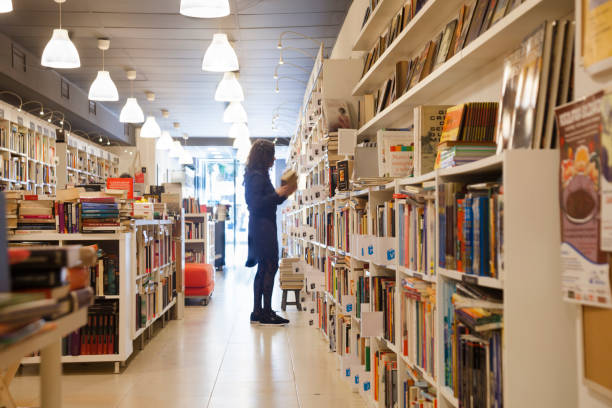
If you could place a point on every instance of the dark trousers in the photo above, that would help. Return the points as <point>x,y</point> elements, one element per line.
<point>264,284</point>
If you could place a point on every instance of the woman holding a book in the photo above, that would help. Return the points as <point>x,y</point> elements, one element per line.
<point>262,201</point>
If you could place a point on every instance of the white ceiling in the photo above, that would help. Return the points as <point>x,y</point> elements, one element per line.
<point>166,50</point>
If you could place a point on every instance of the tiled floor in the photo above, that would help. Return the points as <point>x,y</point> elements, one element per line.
<point>214,358</point>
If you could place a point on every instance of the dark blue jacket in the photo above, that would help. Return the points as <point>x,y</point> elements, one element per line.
<point>262,200</point>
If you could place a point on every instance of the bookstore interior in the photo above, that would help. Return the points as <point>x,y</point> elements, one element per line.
<point>445,245</point>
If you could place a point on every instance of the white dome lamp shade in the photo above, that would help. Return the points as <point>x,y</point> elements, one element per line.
<point>164,143</point>
<point>150,129</point>
<point>220,56</point>
<point>186,158</point>
<point>242,142</point>
<point>235,113</point>
<point>131,112</point>
<point>239,130</point>
<point>205,8</point>
<point>60,52</point>
<point>176,150</point>
<point>229,89</point>
<point>243,153</point>
<point>103,88</point>
<point>6,6</point>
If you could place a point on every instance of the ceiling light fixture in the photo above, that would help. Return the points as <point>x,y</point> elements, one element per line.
<point>165,113</point>
<point>277,89</point>
<point>229,89</point>
<point>220,56</point>
<point>239,130</point>
<point>103,88</point>
<point>6,6</point>
<point>59,52</point>
<point>164,143</point>
<point>205,8</point>
<point>186,159</point>
<point>288,63</point>
<point>281,61</point>
<point>176,150</point>
<point>235,113</point>
<point>150,96</point>
<point>150,129</point>
<point>131,112</point>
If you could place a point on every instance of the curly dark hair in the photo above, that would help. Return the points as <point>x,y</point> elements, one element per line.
<point>261,156</point>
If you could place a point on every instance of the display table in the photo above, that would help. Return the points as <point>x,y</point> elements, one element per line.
<point>49,344</point>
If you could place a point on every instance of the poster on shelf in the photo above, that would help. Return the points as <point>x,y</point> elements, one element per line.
<point>606,173</point>
<point>584,266</point>
<point>597,35</point>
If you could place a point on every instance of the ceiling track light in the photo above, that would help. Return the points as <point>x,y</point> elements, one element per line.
<point>205,8</point>
<point>220,56</point>
<point>60,52</point>
<point>131,112</point>
<point>280,39</point>
<point>103,88</point>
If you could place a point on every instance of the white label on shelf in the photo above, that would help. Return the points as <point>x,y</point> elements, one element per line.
<point>20,120</point>
<point>39,129</point>
<point>32,126</point>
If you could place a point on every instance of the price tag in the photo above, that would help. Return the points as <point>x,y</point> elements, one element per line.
<point>371,250</point>
<point>366,386</point>
<point>348,372</point>
<point>390,254</point>
<point>471,279</point>
<point>349,308</point>
<point>357,379</point>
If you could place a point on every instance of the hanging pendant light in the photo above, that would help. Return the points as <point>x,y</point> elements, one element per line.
<point>164,143</point>
<point>150,129</point>
<point>59,52</point>
<point>131,112</point>
<point>235,113</point>
<point>103,88</point>
<point>220,56</point>
<point>186,158</point>
<point>239,130</point>
<point>229,89</point>
<point>243,153</point>
<point>205,8</point>
<point>240,142</point>
<point>6,6</point>
<point>176,150</point>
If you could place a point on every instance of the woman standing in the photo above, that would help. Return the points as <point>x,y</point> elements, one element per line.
<point>262,201</point>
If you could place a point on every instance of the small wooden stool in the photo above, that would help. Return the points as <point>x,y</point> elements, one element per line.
<point>296,303</point>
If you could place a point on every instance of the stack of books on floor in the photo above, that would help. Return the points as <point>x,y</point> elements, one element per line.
<point>99,214</point>
<point>40,291</point>
<point>36,213</point>
<point>289,279</point>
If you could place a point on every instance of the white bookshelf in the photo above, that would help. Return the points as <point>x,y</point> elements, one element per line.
<point>539,368</point>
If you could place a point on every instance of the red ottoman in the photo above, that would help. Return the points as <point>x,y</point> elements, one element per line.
<point>199,281</point>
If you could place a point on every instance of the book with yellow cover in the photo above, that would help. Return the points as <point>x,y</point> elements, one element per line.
<point>452,123</point>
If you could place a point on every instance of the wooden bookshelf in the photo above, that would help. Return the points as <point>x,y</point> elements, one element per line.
<point>377,23</point>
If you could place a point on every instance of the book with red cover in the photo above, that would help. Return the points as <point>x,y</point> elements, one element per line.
<point>126,184</point>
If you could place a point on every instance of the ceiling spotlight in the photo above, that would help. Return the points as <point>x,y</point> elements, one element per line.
<point>220,56</point>
<point>41,113</point>
<point>185,136</point>
<point>280,60</point>
<point>277,90</point>
<point>229,89</point>
<point>107,142</point>
<point>131,112</point>
<point>205,8</point>
<point>103,88</point>
<point>150,129</point>
<point>59,52</point>
<point>100,139</point>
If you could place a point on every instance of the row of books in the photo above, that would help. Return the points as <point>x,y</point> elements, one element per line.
<point>192,206</point>
<point>195,230</point>
<point>383,224</point>
<point>342,230</point>
<point>470,122</point>
<point>473,344</point>
<point>382,300</point>
<point>416,220</point>
<point>104,276</point>
<point>101,334</point>
<point>391,33</point>
<point>194,255</point>
<point>145,304</point>
<point>385,378</point>
<point>470,223</point>
<point>418,319</point>
<point>359,219</point>
<point>16,142</point>
<point>13,168</point>
<point>155,248</point>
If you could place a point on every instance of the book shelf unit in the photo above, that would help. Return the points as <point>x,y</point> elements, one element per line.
<point>83,162</point>
<point>129,249</point>
<point>27,152</point>
<point>534,371</point>
<point>204,244</point>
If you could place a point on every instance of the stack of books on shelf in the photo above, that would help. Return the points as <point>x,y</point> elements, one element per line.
<point>99,214</point>
<point>11,207</point>
<point>40,290</point>
<point>383,295</point>
<point>470,224</point>
<point>289,279</point>
<point>195,229</point>
<point>468,134</point>
<point>418,393</point>
<point>36,212</point>
<point>473,343</point>
<point>101,334</point>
